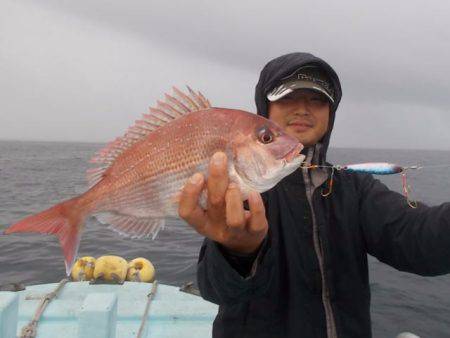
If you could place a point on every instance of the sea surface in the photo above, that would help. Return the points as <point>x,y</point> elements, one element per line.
<point>34,176</point>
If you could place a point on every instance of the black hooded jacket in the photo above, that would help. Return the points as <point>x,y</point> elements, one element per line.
<point>310,277</point>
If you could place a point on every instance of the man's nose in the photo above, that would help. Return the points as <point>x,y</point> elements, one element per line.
<point>302,112</point>
<point>302,108</point>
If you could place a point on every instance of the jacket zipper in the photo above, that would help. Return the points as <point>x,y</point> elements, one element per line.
<point>329,316</point>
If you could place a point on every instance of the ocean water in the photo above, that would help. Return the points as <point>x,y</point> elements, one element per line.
<point>34,176</point>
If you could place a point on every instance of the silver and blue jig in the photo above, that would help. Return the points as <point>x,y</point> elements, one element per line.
<point>375,168</point>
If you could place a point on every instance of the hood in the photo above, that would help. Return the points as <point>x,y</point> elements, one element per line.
<point>285,65</point>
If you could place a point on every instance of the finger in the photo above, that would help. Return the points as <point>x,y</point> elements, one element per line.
<point>235,215</point>
<point>188,208</point>
<point>217,185</point>
<point>257,222</point>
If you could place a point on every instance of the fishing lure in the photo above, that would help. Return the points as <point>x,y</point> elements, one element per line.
<point>375,168</point>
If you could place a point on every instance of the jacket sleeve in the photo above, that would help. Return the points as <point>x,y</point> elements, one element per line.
<point>413,240</point>
<point>225,279</point>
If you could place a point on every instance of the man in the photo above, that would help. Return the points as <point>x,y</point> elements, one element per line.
<point>295,264</point>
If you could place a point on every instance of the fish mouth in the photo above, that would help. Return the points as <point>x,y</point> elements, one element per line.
<point>294,153</point>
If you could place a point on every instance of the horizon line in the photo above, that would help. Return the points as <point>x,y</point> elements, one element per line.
<point>331,147</point>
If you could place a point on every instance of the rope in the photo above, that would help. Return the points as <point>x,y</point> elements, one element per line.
<point>435,166</point>
<point>30,330</point>
<point>147,308</point>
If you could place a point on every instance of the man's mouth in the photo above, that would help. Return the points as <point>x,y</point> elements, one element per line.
<point>300,124</point>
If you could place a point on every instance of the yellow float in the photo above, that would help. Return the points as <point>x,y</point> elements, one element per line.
<point>83,269</point>
<point>140,270</point>
<point>111,269</point>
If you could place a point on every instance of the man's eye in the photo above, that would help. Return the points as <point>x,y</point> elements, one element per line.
<point>287,98</point>
<point>318,98</point>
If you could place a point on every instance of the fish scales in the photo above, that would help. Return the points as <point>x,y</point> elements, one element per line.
<point>140,175</point>
<point>154,170</point>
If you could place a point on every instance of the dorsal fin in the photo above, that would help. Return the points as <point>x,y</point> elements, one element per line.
<point>173,107</point>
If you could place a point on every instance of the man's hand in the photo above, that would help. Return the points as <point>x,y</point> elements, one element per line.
<point>225,220</point>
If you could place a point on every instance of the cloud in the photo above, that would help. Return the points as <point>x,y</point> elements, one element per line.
<point>84,70</point>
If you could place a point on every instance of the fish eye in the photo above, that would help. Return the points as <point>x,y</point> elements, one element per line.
<point>265,136</point>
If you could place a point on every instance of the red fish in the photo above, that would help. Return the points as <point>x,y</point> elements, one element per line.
<point>136,186</point>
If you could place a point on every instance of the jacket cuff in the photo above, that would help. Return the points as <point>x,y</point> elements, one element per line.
<point>245,264</point>
<point>220,281</point>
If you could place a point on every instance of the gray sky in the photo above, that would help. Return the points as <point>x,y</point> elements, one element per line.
<point>85,70</point>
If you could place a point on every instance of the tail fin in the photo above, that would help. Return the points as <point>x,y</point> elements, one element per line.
<point>65,220</point>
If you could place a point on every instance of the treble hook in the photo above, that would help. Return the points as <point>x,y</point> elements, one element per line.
<point>330,184</point>
<point>407,189</point>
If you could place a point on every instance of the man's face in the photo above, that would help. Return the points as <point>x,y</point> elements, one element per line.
<point>303,114</point>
